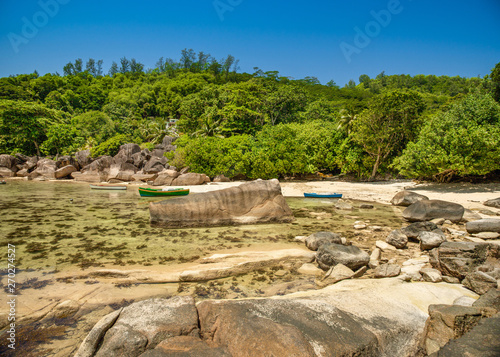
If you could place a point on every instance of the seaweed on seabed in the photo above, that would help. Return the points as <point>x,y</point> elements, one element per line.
<point>30,337</point>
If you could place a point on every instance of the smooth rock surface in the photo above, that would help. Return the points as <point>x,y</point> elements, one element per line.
<point>430,240</point>
<point>250,203</point>
<point>330,254</point>
<point>407,198</point>
<point>484,225</point>
<point>397,239</point>
<point>315,240</point>
<point>426,210</point>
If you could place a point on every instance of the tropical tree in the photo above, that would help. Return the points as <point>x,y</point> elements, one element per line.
<point>25,125</point>
<point>464,140</point>
<point>389,123</point>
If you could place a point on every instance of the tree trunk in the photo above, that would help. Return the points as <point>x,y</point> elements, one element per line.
<point>375,167</point>
<point>37,150</point>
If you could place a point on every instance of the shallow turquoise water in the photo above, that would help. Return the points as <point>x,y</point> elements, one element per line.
<point>63,225</point>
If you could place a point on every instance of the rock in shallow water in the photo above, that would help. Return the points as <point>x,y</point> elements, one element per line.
<point>250,203</point>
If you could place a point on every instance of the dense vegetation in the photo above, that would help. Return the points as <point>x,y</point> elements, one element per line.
<point>261,124</point>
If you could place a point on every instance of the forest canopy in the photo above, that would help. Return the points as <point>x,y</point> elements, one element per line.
<point>261,124</point>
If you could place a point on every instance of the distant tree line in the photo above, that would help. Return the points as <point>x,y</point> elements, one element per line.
<point>258,124</point>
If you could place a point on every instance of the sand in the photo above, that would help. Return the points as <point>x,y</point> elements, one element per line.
<point>469,195</point>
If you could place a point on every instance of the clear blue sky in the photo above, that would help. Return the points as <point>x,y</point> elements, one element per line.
<point>297,38</point>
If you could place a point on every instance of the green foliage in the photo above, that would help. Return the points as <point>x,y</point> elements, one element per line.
<point>495,78</point>
<point>389,123</point>
<point>109,147</point>
<point>24,125</point>
<point>94,124</point>
<point>465,140</point>
<point>62,139</point>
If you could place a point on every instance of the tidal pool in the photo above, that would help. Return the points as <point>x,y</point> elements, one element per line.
<point>66,225</point>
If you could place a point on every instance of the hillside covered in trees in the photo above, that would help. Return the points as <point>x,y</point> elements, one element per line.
<point>258,125</point>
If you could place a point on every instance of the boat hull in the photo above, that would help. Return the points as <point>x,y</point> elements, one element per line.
<point>152,192</point>
<point>323,195</point>
<point>107,187</point>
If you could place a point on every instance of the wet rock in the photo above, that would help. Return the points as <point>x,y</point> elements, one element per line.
<point>482,340</point>
<point>484,225</point>
<point>250,203</point>
<point>330,254</point>
<point>426,210</point>
<point>447,322</point>
<point>343,205</point>
<point>407,198</point>
<point>191,179</point>
<point>495,202</point>
<point>64,171</point>
<point>387,270</point>
<point>397,239</point>
<point>315,240</point>
<point>430,240</point>
<point>366,206</point>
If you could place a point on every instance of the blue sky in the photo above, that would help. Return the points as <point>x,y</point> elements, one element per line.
<point>335,39</point>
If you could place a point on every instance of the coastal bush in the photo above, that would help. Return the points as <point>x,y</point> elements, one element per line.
<point>110,147</point>
<point>464,140</point>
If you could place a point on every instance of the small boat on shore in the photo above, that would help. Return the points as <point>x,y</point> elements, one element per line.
<point>323,195</point>
<point>154,192</point>
<point>108,187</point>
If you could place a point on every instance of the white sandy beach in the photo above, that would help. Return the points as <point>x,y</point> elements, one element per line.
<point>469,195</point>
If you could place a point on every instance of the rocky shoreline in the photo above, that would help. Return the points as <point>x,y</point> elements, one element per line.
<point>428,288</point>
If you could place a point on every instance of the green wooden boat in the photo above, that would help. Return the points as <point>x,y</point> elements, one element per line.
<point>154,192</point>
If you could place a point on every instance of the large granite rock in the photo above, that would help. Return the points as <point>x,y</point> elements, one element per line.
<point>165,178</point>
<point>64,171</point>
<point>83,158</point>
<point>123,171</point>
<point>330,254</point>
<point>253,202</point>
<point>190,179</point>
<point>66,160</point>
<point>406,198</point>
<point>458,259</point>
<point>427,210</point>
<point>96,171</point>
<point>8,161</point>
<point>144,324</point>
<point>6,172</point>
<point>45,168</point>
<point>482,341</point>
<point>361,317</point>
<point>125,153</point>
<point>154,165</point>
<point>483,225</point>
<point>447,322</point>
